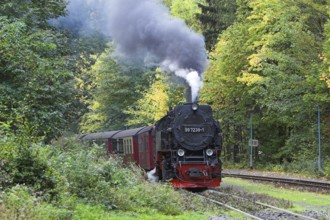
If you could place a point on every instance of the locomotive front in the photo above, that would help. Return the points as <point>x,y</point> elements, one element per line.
<point>188,147</point>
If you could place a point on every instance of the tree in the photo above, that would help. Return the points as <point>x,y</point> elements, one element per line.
<point>326,49</point>
<point>35,84</point>
<point>286,57</point>
<point>35,13</point>
<point>216,16</point>
<point>115,89</point>
<point>168,3</point>
<point>229,98</point>
<point>188,11</point>
<point>263,64</point>
<point>155,102</point>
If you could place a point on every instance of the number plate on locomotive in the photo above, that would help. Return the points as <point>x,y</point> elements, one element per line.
<point>194,130</point>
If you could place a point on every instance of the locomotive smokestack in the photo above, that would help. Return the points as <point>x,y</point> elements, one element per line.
<point>144,29</point>
<point>188,95</point>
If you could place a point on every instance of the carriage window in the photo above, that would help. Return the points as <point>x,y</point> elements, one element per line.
<point>128,146</point>
<point>125,146</point>
<point>120,146</point>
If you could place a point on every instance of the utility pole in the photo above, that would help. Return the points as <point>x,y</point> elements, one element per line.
<point>319,161</point>
<point>251,147</point>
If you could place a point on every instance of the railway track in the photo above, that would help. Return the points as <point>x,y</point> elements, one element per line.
<point>220,195</point>
<point>228,207</point>
<point>291,181</point>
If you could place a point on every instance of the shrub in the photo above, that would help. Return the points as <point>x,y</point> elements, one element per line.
<point>81,176</point>
<point>19,203</point>
<point>85,211</point>
<point>24,163</point>
<point>148,197</point>
<point>326,166</point>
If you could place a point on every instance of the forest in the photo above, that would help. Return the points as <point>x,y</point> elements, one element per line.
<point>60,74</point>
<point>268,64</point>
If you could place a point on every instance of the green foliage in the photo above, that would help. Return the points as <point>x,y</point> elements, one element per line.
<point>325,75</point>
<point>41,68</point>
<point>116,88</point>
<point>35,84</point>
<point>155,102</point>
<point>88,175</point>
<point>34,13</point>
<point>222,91</point>
<point>88,184</point>
<point>168,3</point>
<point>187,10</point>
<point>20,203</point>
<point>326,166</point>
<point>23,162</point>
<point>149,198</point>
<point>270,58</point>
<point>215,17</point>
<point>268,63</point>
<point>89,212</point>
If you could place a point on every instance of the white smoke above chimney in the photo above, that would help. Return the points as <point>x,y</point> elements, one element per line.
<point>191,76</point>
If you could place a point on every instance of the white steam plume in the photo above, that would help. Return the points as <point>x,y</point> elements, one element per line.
<point>191,76</point>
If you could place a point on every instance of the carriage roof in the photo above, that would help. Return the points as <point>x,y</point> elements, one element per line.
<point>115,134</point>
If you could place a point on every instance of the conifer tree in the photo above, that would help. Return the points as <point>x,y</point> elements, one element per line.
<point>215,17</point>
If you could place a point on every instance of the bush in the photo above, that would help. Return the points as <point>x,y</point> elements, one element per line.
<point>88,174</point>
<point>60,181</point>
<point>326,166</point>
<point>24,163</point>
<point>19,203</point>
<point>101,180</point>
<point>85,211</point>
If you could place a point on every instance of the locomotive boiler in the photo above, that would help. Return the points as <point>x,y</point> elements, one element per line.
<point>188,146</point>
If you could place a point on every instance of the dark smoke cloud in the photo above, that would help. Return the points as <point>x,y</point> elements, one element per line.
<point>85,17</point>
<point>145,28</point>
<point>144,31</point>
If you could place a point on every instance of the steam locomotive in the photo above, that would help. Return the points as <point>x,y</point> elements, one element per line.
<point>183,147</point>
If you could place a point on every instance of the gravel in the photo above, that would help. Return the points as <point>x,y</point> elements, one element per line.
<point>275,174</point>
<point>267,214</point>
<point>285,175</point>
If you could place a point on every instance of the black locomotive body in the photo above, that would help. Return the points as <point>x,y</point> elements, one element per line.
<point>188,146</point>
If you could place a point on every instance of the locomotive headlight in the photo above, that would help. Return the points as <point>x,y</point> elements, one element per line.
<point>194,106</point>
<point>209,152</point>
<point>180,152</point>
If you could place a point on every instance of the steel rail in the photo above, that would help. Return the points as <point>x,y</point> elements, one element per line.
<point>309,183</point>
<point>229,207</point>
<point>264,204</point>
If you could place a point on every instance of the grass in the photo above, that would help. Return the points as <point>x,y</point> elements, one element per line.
<point>157,216</point>
<point>300,200</point>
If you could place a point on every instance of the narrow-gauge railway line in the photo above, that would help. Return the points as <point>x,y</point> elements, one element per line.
<point>292,181</point>
<point>245,213</point>
<point>263,204</point>
<point>229,207</point>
